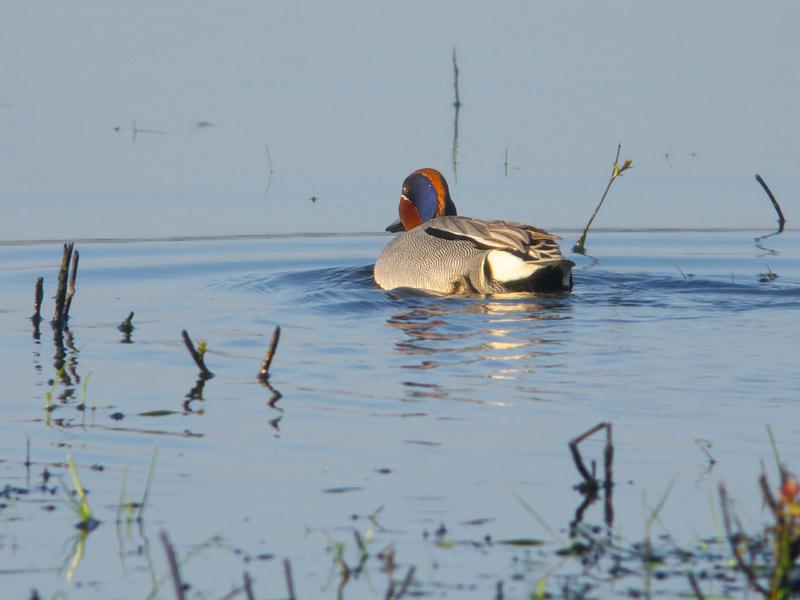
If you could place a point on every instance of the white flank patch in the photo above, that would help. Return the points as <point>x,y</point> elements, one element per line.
<point>507,267</point>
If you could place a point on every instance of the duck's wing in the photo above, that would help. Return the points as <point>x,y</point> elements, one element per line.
<point>526,241</point>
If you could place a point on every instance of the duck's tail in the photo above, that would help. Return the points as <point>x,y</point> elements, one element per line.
<point>519,275</point>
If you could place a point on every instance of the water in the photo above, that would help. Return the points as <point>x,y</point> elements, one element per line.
<point>205,142</point>
<point>435,410</point>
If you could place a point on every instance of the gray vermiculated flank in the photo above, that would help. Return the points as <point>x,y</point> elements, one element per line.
<point>446,255</point>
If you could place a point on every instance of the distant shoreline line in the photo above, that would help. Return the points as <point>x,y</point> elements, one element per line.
<point>269,236</point>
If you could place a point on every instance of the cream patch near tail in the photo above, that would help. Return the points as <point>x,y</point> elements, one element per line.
<point>504,266</point>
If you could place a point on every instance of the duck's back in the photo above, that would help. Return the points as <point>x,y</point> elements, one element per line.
<point>458,255</point>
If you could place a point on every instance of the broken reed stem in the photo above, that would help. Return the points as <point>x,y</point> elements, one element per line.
<point>608,483</point>
<point>61,292</point>
<point>752,578</point>
<point>38,295</point>
<point>711,460</point>
<point>769,499</point>
<point>457,105</point>
<point>580,245</point>
<point>406,582</point>
<point>173,565</point>
<point>287,570</point>
<point>198,360</point>
<point>248,586</point>
<point>127,325</point>
<point>499,595</point>
<point>695,586</point>
<point>71,287</point>
<point>588,478</point>
<point>776,206</point>
<point>263,373</point>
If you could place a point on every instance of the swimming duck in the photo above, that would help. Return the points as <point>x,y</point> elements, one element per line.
<point>444,253</point>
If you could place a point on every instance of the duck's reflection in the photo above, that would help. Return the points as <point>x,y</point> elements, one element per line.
<point>499,338</point>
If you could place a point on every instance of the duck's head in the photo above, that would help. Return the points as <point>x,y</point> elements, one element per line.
<point>425,196</point>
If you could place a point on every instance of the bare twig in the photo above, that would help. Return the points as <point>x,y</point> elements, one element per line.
<point>248,586</point>
<point>457,106</point>
<point>769,498</point>
<point>406,582</point>
<point>38,295</point>
<point>695,586</point>
<point>263,373</point>
<point>589,478</point>
<point>608,483</point>
<point>616,171</point>
<point>71,287</point>
<point>287,570</point>
<point>173,565</point>
<point>752,578</point>
<point>704,445</point>
<point>499,594</point>
<point>198,360</point>
<point>61,291</point>
<point>781,218</point>
<point>269,177</point>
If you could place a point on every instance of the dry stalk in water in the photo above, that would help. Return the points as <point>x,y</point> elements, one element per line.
<point>71,287</point>
<point>776,206</point>
<point>173,565</point>
<point>61,291</point>
<point>38,295</point>
<point>616,171</point>
<point>198,360</point>
<point>263,373</point>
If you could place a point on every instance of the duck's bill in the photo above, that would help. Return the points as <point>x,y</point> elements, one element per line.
<point>395,227</point>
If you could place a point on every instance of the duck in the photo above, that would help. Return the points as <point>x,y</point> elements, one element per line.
<point>439,252</point>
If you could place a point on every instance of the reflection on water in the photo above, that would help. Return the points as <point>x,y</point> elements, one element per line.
<point>502,324</point>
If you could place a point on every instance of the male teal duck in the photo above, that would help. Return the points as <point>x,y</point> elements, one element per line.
<point>443,253</point>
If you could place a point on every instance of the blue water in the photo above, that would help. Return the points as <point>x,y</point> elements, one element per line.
<point>435,410</point>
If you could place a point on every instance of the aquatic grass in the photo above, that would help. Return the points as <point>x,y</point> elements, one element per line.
<point>126,505</point>
<point>532,511</point>
<point>136,130</point>
<point>84,386</point>
<point>649,556</point>
<point>149,484</point>
<point>80,506</point>
<point>768,558</point>
<point>48,396</point>
<point>616,171</point>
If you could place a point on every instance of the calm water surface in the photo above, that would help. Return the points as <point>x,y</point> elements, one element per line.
<point>435,410</point>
